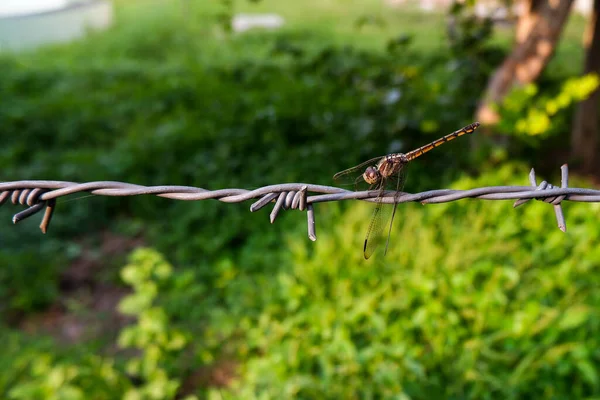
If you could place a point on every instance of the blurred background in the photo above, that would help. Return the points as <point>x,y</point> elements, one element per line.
<point>149,298</point>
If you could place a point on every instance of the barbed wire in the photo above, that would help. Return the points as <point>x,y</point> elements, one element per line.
<point>42,194</point>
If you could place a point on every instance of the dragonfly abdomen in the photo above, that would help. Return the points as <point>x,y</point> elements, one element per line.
<point>424,149</point>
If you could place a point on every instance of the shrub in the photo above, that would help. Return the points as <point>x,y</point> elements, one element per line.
<point>473,300</point>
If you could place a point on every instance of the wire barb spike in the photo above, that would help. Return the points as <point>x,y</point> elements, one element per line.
<point>266,199</point>
<point>310,215</point>
<point>278,206</point>
<point>554,200</point>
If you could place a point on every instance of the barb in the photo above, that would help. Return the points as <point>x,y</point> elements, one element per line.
<point>38,195</point>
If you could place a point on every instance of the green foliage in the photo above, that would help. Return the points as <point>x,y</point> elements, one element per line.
<point>24,281</point>
<point>50,379</point>
<point>473,300</point>
<point>467,33</point>
<point>159,343</point>
<point>527,112</point>
<point>41,370</point>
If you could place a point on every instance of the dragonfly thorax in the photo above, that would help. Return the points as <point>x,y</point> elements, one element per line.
<point>391,164</point>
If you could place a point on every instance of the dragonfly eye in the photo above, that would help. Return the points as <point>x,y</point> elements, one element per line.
<point>371,175</point>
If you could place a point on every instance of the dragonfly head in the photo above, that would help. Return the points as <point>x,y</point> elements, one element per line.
<point>371,175</point>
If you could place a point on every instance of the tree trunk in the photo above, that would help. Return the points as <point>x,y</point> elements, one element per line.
<point>538,30</point>
<point>586,126</point>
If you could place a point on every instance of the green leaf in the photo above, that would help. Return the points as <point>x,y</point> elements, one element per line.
<point>574,316</point>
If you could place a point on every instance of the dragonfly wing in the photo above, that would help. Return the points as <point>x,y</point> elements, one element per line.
<point>375,234</point>
<point>399,180</point>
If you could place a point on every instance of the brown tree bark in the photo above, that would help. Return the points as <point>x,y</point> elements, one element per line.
<point>538,30</point>
<point>586,125</point>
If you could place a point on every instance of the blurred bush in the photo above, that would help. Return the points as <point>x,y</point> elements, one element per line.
<point>473,300</point>
<point>41,369</point>
<point>528,112</point>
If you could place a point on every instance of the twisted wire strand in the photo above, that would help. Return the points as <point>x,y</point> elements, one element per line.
<point>41,194</point>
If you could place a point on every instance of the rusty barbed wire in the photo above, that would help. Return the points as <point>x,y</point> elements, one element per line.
<point>42,194</point>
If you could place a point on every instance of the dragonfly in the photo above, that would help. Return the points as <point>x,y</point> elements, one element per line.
<point>387,173</point>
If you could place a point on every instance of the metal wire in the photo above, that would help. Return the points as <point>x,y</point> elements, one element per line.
<point>38,195</point>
